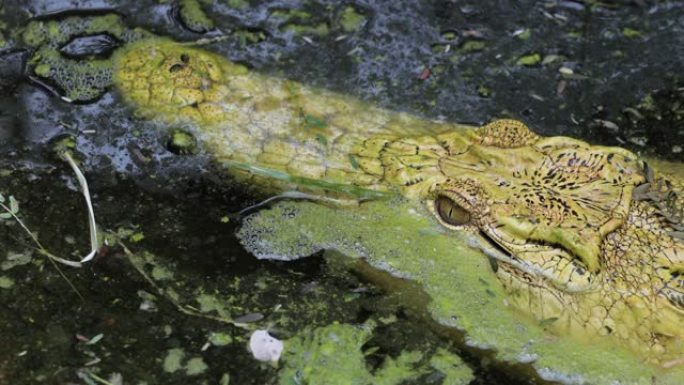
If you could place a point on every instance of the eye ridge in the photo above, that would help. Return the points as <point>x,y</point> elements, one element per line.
<point>451,212</point>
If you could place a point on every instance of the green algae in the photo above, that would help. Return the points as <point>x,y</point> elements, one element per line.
<point>397,370</point>
<point>182,142</point>
<point>238,4</point>
<point>320,29</point>
<point>333,355</point>
<point>300,22</point>
<point>631,33</point>
<point>210,303</point>
<point>14,259</point>
<point>402,239</point>
<point>6,282</point>
<point>173,360</point>
<point>329,355</point>
<point>291,14</point>
<point>351,20</point>
<point>247,36</point>
<point>56,33</point>
<point>195,366</point>
<point>469,46</point>
<point>193,16</point>
<point>455,371</point>
<point>3,27</point>
<point>78,80</point>
<point>220,339</point>
<point>529,60</point>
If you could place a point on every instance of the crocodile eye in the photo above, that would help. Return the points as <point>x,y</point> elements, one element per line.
<point>450,212</point>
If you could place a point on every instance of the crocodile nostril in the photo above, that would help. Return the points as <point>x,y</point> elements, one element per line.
<point>176,67</point>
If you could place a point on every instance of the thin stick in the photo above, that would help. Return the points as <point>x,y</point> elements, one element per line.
<point>42,250</point>
<point>35,240</point>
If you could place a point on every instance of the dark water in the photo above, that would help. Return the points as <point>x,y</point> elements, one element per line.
<point>608,73</point>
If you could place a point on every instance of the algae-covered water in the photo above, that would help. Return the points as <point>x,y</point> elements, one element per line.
<point>174,296</point>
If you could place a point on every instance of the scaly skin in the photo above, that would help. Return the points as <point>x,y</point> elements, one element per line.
<point>591,236</point>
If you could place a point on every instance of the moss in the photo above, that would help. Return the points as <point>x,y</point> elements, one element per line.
<point>464,291</point>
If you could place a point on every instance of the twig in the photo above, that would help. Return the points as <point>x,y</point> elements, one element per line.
<point>35,240</point>
<point>42,250</point>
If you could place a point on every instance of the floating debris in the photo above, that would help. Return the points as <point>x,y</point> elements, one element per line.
<point>264,347</point>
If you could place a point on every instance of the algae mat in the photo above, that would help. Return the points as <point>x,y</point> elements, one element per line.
<point>463,290</point>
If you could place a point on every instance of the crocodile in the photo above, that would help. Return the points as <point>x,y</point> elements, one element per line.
<point>589,237</point>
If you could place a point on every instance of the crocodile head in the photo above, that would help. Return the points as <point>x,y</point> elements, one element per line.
<point>548,203</point>
<point>586,236</point>
<point>558,215</point>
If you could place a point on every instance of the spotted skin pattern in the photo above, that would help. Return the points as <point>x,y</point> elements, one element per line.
<point>591,236</point>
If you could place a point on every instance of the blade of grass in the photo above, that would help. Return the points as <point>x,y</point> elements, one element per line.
<point>94,243</point>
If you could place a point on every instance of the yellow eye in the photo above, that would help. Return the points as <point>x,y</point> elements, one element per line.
<point>450,212</point>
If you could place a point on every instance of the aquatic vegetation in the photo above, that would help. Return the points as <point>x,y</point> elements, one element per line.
<point>351,19</point>
<point>181,142</point>
<point>193,17</point>
<point>334,355</point>
<point>76,79</point>
<point>464,291</point>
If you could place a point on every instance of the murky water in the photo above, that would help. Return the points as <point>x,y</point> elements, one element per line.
<point>607,73</point>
